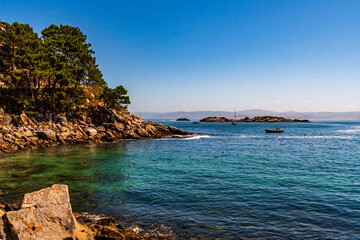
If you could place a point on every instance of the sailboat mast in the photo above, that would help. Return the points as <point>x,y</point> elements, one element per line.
<point>235,113</point>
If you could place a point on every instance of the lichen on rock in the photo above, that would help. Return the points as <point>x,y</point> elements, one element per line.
<point>44,214</point>
<point>47,215</point>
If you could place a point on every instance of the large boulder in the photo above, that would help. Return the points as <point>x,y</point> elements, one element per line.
<point>61,119</point>
<point>20,119</point>
<point>5,130</point>
<point>131,134</point>
<point>23,118</point>
<point>5,119</point>
<point>27,133</point>
<point>142,132</point>
<point>101,128</point>
<point>64,134</point>
<point>45,214</point>
<point>91,131</point>
<point>47,135</point>
<point>176,130</point>
<point>118,127</point>
<point>2,232</point>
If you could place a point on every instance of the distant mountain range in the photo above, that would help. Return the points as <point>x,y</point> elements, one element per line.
<point>253,113</point>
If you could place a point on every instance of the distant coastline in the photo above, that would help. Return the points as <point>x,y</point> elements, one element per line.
<point>355,115</point>
<point>254,119</point>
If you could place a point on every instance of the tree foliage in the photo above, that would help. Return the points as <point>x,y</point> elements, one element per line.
<point>115,97</point>
<point>50,72</point>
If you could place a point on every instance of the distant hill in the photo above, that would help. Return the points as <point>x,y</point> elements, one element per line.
<point>253,113</point>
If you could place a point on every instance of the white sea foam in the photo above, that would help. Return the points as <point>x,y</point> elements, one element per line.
<point>197,137</point>
<point>136,228</point>
<point>298,137</point>
<point>316,137</point>
<point>194,137</point>
<point>249,136</point>
<point>351,131</point>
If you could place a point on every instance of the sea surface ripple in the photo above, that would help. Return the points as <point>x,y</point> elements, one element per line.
<point>229,182</point>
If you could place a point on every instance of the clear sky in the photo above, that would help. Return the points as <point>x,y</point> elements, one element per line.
<point>190,55</point>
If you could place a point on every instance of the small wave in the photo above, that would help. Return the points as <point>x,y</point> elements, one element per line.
<point>249,136</point>
<point>195,137</point>
<point>354,130</point>
<point>136,229</point>
<point>298,137</point>
<point>316,137</point>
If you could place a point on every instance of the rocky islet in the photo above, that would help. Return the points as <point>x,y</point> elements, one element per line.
<point>254,119</point>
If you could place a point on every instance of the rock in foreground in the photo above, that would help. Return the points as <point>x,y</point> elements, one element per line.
<point>44,214</point>
<point>47,215</point>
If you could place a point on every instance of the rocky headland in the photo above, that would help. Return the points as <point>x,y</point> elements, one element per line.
<point>254,119</point>
<point>63,100</point>
<point>52,92</point>
<point>24,132</point>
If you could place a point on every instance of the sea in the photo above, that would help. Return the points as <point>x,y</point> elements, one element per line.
<point>225,182</point>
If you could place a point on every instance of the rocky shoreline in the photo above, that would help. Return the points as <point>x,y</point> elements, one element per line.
<point>25,132</point>
<point>254,119</point>
<point>47,214</point>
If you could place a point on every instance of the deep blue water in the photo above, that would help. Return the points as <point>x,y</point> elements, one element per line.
<point>267,186</point>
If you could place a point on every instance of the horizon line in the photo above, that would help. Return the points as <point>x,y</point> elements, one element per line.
<point>253,109</point>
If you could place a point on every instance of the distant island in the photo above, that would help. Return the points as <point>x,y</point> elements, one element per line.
<point>254,119</point>
<point>182,119</point>
<point>355,115</point>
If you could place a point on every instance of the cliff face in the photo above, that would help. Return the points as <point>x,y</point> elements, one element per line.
<point>254,119</point>
<point>23,132</point>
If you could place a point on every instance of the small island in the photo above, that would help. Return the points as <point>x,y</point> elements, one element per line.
<point>183,119</point>
<point>254,119</point>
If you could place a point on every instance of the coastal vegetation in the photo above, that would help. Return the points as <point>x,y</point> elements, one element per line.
<point>56,72</point>
<point>53,92</point>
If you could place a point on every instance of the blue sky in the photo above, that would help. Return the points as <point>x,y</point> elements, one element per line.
<point>217,55</point>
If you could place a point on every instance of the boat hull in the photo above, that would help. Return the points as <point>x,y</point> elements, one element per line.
<point>274,130</point>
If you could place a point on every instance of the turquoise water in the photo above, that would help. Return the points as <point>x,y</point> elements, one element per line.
<point>267,186</point>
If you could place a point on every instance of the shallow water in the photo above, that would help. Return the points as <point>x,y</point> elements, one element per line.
<point>267,186</point>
